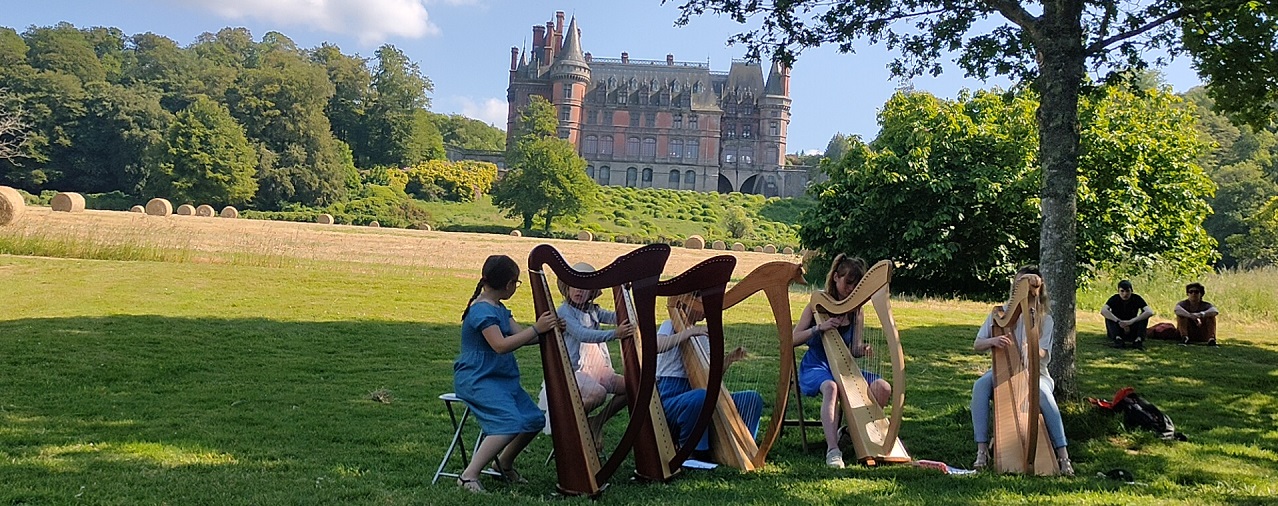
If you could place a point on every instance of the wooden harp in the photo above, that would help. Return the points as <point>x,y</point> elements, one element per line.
<point>874,436</point>
<point>657,456</point>
<point>1021,443</point>
<point>732,443</point>
<point>577,465</point>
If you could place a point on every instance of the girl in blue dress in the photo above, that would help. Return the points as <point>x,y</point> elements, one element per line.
<point>486,376</point>
<point>814,371</point>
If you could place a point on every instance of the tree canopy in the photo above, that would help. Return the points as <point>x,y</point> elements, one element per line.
<point>545,176</point>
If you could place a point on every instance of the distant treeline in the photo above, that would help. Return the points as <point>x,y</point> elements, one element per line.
<point>223,120</point>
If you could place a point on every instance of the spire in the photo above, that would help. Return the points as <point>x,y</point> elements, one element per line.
<point>776,80</point>
<point>572,44</point>
<point>569,61</point>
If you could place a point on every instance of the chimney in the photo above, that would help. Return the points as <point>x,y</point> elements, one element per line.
<point>625,57</point>
<point>551,44</point>
<point>559,22</point>
<point>587,55</point>
<point>514,58</point>
<point>539,36</point>
<point>670,59</point>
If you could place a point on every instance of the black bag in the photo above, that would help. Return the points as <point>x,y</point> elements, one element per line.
<point>1139,413</point>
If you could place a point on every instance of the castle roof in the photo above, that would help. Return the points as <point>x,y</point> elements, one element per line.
<point>569,61</point>
<point>775,85</point>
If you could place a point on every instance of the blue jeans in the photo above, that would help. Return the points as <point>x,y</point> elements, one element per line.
<point>983,392</point>
<point>682,404</point>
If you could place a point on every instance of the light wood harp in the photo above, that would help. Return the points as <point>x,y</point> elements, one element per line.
<point>1021,443</point>
<point>577,464</point>
<point>732,443</point>
<point>874,436</point>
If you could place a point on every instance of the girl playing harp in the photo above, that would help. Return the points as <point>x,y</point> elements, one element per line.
<point>983,390</point>
<point>815,375</point>
<point>587,349</point>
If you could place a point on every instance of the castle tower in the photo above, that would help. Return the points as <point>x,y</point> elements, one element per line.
<point>570,75</point>
<point>774,107</point>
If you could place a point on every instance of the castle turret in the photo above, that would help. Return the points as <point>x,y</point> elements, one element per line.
<point>774,107</point>
<point>571,76</point>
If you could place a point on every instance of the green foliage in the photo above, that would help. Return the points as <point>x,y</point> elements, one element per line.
<point>1260,246</point>
<point>739,225</point>
<point>452,181</point>
<point>949,189</point>
<point>398,131</point>
<point>545,176</point>
<point>467,133</point>
<point>205,158</point>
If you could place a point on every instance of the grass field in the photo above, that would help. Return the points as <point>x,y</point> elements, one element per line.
<point>209,361</point>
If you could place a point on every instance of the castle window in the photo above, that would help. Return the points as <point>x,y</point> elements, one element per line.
<point>632,146</point>
<point>773,156</point>
<point>649,148</point>
<point>605,174</point>
<point>678,120</point>
<point>590,171</point>
<point>632,176</point>
<point>729,156</point>
<point>676,148</point>
<point>605,145</point>
<point>634,118</point>
<point>747,155</point>
<point>608,117</point>
<point>692,121</point>
<point>696,87</point>
<point>647,177</point>
<point>745,131</point>
<point>729,130</point>
<point>563,133</point>
<point>592,117</point>
<point>621,97</point>
<point>643,98</point>
<point>591,145</point>
<point>692,150</point>
<point>774,128</point>
<point>650,120</point>
<point>776,114</point>
<point>565,113</point>
<point>674,179</point>
<point>690,180</point>
<point>568,90</point>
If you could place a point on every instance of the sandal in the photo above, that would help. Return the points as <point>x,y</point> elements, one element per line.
<point>508,474</point>
<point>470,485</point>
<point>1067,469</point>
<point>982,460</point>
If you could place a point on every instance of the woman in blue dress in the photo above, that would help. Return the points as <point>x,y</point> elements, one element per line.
<point>815,376</point>
<point>486,376</point>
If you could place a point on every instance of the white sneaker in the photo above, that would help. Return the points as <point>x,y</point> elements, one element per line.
<point>834,458</point>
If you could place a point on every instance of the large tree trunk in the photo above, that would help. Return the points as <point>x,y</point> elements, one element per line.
<point>1061,68</point>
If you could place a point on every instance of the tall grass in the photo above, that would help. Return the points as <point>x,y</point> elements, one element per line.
<point>1246,296</point>
<point>90,243</point>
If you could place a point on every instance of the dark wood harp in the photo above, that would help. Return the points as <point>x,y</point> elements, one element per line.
<point>1021,443</point>
<point>874,436</point>
<point>578,466</point>
<point>656,454</point>
<point>732,443</point>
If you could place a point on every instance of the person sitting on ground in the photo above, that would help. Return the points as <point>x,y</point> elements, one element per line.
<point>1195,317</point>
<point>1126,315</point>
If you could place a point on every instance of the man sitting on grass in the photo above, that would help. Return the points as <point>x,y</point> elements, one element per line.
<point>1195,317</point>
<point>1126,315</point>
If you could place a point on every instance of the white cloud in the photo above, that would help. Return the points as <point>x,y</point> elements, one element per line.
<point>814,152</point>
<point>490,110</point>
<point>371,21</point>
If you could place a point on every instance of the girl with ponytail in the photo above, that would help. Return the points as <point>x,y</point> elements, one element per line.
<point>486,375</point>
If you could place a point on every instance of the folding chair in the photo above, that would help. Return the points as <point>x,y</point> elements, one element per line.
<point>455,444</point>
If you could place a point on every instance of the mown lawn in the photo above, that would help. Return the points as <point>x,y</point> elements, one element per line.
<point>142,382</point>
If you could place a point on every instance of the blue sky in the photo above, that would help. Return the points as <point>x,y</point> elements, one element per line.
<point>464,46</point>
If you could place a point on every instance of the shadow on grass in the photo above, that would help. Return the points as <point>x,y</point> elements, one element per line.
<point>127,409</point>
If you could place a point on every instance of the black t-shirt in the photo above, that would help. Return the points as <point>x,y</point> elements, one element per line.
<point>1125,309</point>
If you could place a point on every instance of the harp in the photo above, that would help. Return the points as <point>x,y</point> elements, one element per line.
<point>732,442</point>
<point>657,457</point>
<point>577,464</point>
<point>1020,443</point>
<point>874,436</point>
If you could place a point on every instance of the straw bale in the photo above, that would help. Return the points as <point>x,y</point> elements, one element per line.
<point>159,207</point>
<point>736,246</point>
<point>516,233</point>
<point>12,205</point>
<point>374,224</point>
<point>788,250</point>
<point>137,209</point>
<point>186,210</point>
<point>758,249</point>
<point>324,219</point>
<point>694,242</point>
<point>423,226</point>
<point>205,211</point>
<point>585,235</point>
<point>719,245</point>
<point>67,202</point>
<point>230,212</point>
<point>769,248</point>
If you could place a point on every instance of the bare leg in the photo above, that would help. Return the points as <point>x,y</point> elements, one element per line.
<point>829,419</point>
<point>506,461</point>
<point>488,449</point>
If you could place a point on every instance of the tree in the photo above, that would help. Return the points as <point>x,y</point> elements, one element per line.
<point>545,175</point>
<point>206,157</point>
<point>398,131</point>
<point>13,129</point>
<point>1234,43</point>
<point>467,133</point>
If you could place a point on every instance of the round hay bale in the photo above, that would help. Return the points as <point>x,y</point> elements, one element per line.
<point>719,245</point>
<point>67,202</point>
<point>186,210</point>
<point>736,246</point>
<point>758,249</point>
<point>585,235</point>
<point>205,211</point>
<point>12,205</point>
<point>788,250</point>
<point>423,226</point>
<point>694,242</point>
<point>159,207</point>
<point>374,224</point>
<point>768,248</point>
<point>137,209</point>
<point>324,219</point>
<point>516,233</point>
<point>230,212</point>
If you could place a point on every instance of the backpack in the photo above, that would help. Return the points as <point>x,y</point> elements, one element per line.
<point>1164,331</point>
<point>1140,413</point>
